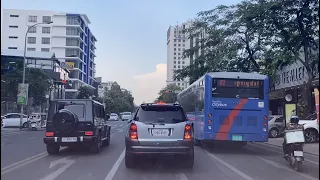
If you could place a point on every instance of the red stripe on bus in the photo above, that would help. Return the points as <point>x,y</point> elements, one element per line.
<point>223,132</point>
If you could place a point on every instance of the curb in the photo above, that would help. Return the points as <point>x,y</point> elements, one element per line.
<point>281,147</point>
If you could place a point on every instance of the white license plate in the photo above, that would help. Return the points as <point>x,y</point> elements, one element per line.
<point>297,153</point>
<point>69,139</point>
<point>160,132</point>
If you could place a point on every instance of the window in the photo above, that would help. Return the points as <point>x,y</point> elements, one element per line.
<point>14,15</point>
<point>182,84</point>
<point>175,40</point>
<point>178,57</point>
<point>178,66</point>
<point>12,48</point>
<point>174,53</point>
<point>174,62</point>
<point>73,31</point>
<point>46,19</point>
<point>179,54</point>
<point>179,45</point>
<point>45,50</point>
<point>183,45</point>
<point>32,19</point>
<point>72,42</point>
<point>46,30</point>
<point>174,66</point>
<point>32,40</point>
<point>31,61</point>
<point>31,49</point>
<point>32,29</point>
<point>174,58</point>
<point>45,40</point>
<point>179,49</point>
<point>73,21</point>
<point>13,26</point>
<point>13,37</point>
<point>175,45</point>
<point>182,62</point>
<point>179,40</point>
<point>174,49</point>
<point>178,84</point>
<point>184,41</point>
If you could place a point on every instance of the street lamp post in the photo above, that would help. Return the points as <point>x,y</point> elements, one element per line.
<point>24,65</point>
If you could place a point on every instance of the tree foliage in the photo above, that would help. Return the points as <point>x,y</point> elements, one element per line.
<point>85,92</point>
<point>168,94</point>
<point>118,100</point>
<point>38,83</point>
<point>252,36</point>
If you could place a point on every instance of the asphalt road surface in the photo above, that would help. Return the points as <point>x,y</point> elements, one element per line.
<point>23,157</point>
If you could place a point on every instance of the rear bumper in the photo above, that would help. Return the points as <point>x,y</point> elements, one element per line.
<point>133,147</point>
<point>245,137</point>
<point>80,140</point>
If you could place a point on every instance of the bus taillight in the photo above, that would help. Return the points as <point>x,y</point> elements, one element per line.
<point>265,117</point>
<point>209,115</point>
<point>265,124</point>
<point>209,121</point>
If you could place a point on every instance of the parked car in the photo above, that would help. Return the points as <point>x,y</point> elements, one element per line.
<point>76,122</point>
<point>276,125</point>
<point>159,129</point>
<point>13,120</point>
<point>311,128</point>
<point>114,117</point>
<point>125,116</point>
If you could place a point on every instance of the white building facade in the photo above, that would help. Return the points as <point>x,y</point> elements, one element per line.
<point>103,86</point>
<point>68,36</point>
<point>177,42</point>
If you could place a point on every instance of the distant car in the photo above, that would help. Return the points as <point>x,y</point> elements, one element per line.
<point>126,116</point>
<point>159,129</point>
<point>13,120</point>
<point>311,128</point>
<point>276,125</point>
<point>114,117</point>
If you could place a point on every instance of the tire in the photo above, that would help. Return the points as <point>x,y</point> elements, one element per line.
<point>107,142</point>
<point>64,121</point>
<point>25,125</point>
<point>96,147</point>
<point>53,148</point>
<point>273,133</point>
<point>129,160</point>
<point>311,135</point>
<point>197,142</point>
<point>189,160</point>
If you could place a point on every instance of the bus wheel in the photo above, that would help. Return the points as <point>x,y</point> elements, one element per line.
<point>197,142</point>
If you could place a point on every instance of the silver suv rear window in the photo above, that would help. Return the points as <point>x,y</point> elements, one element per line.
<point>160,114</point>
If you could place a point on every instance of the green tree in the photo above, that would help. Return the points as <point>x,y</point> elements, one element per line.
<point>85,92</point>
<point>294,25</point>
<point>118,100</point>
<point>168,94</point>
<point>38,83</point>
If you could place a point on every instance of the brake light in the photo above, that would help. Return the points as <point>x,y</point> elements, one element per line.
<point>49,134</point>
<point>265,124</point>
<point>161,103</point>
<point>133,133</point>
<point>187,132</point>
<point>88,133</point>
<point>209,121</point>
<point>209,115</point>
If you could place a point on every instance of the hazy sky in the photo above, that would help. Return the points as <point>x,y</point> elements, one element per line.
<point>131,34</point>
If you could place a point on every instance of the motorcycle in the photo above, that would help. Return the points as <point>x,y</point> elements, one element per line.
<point>295,141</point>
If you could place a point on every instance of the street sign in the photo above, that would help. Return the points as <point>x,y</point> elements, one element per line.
<point>22,94</point>
<point>67,65</point>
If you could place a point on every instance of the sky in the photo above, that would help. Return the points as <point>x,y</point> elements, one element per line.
<point>131,34</point>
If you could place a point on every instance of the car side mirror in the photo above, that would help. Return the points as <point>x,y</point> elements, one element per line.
<point>107,117</point>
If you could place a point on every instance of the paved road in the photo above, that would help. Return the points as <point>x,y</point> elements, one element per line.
<point>22,158</point>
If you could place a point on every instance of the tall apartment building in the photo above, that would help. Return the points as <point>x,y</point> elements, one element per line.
<point>68,36</point>
<point>177,41</point>
<point>102,87</point>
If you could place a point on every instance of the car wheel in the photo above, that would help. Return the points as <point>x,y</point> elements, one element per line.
<point>53,148</point>
<point>96,146</point>
<point>273,133</point>
<point>129,160</point>
<point>25,125</point>
<point>311,135</point>
<point>189,159</point>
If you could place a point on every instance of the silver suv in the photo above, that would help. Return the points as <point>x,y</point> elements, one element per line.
<point>159,129</point>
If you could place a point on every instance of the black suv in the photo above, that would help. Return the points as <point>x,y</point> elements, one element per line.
<point>76,122</point>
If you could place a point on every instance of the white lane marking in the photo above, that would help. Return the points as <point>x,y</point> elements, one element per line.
<point>180,176</point>
<point>67,163</point>
<point>240,173</point>
<point>280,166</point>
<point>280,152</point>
<point>21,163</point>
<point>115,167</point>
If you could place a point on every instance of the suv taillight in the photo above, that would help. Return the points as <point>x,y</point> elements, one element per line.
<point>187,132</point>
<point>133,133</point>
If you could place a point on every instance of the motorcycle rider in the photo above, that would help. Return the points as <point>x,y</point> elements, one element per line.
<point>294,124</point>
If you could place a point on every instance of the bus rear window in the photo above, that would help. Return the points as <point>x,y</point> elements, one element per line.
<point>237,88</point>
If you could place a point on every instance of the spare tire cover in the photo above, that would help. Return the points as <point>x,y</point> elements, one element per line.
<point>64,121</point>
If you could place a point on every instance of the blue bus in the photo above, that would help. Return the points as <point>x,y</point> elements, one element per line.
<point>228,106</point>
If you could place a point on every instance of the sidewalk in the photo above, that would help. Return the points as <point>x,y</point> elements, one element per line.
<point>312,148</point>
